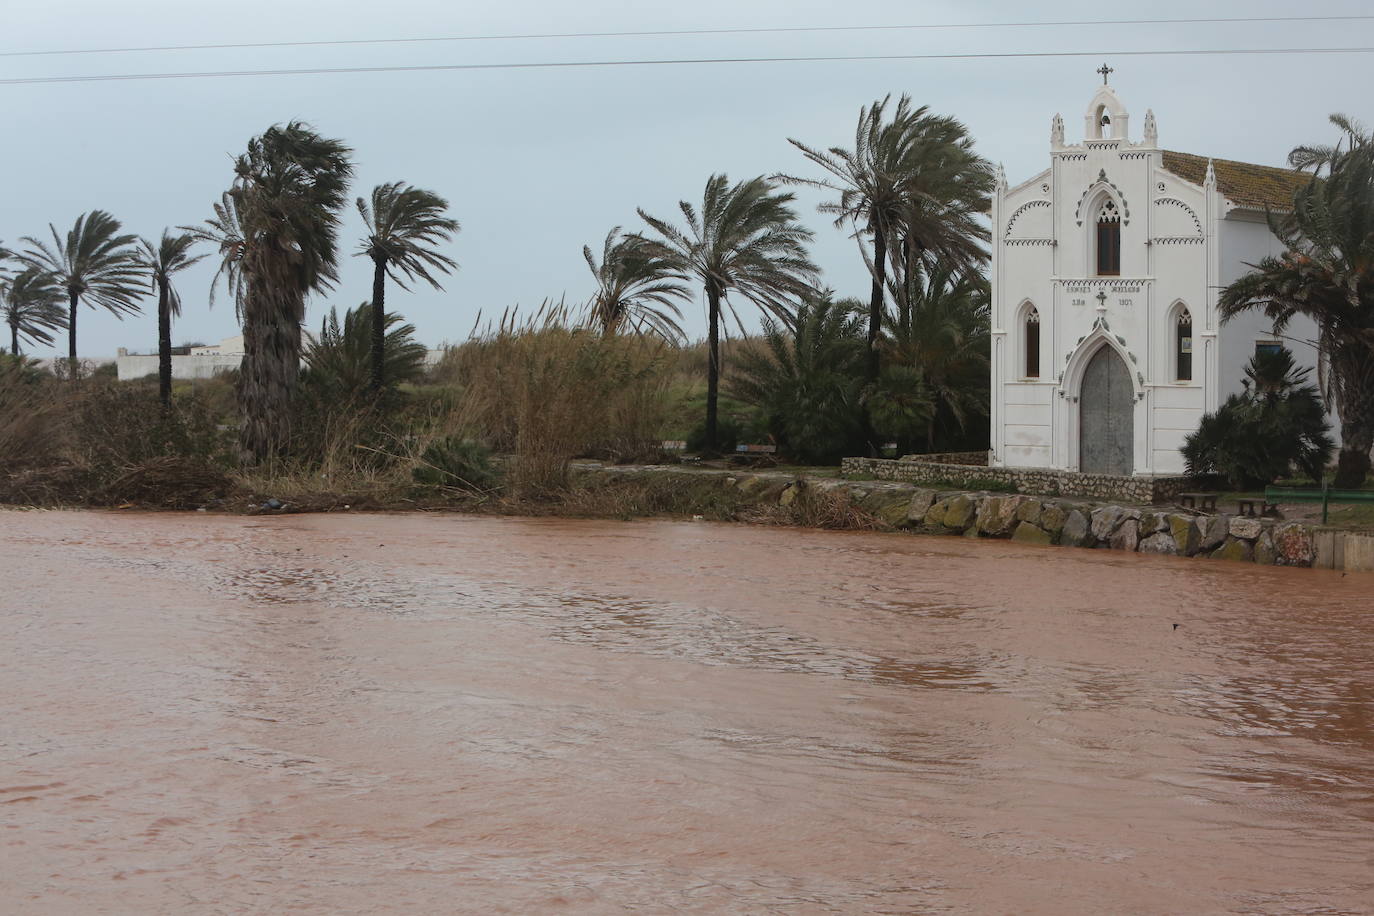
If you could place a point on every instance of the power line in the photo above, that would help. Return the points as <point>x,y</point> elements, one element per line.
<point>583,64</point>
<point>673,33</point>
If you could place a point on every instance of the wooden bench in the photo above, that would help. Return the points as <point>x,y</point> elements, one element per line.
<point>1326,496</point>
<point>1206,501</point>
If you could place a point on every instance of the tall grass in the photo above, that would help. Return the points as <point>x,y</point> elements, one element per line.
<point>546,390</point>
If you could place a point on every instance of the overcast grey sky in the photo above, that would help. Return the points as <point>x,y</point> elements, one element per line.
<point>537,163</point>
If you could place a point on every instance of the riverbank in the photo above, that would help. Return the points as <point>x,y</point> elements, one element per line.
<point>789,498</point>
<point>1029,519</point>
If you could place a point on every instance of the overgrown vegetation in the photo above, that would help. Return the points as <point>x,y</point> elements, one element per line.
<point>1277,425</point>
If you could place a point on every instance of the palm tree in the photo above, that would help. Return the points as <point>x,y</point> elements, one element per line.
<point>277,232</point>
<point>95,263</point>
<point>339,361</point>
<point>637,282</point>
<point>171,255</point>
<point>31,303</point>
<point>941,333</point>
<point>806,377</point>
<point>747,238</point>
<point>915,186</point>
<point>403,224</point>
<point>1326,273</point>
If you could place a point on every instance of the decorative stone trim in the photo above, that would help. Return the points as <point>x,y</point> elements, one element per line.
<point>1030,205</point>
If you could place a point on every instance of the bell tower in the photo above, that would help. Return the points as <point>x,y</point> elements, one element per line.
<point>1106,118</point>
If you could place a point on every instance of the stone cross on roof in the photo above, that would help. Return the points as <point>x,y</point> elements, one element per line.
<point>1105,70</point>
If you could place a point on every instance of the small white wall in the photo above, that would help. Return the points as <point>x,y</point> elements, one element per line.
<point>183,367</point>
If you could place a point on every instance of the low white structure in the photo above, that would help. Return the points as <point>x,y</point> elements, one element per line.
<point>201,362</point>
<point>206,361</point>
<point>1106,269</point>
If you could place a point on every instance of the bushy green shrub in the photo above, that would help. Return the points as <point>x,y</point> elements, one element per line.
<point>807,381</point>
<point>454,461</point>
<point>1277,424</point>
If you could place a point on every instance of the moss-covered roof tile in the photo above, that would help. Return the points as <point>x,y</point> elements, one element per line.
<point>1243,183</point>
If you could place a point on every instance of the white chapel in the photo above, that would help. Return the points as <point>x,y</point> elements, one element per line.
<point>1106,268</point>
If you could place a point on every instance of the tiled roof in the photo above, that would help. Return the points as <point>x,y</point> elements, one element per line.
<point>1243,183</point>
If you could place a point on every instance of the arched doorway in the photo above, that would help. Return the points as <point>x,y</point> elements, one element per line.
<point>1106,414</point>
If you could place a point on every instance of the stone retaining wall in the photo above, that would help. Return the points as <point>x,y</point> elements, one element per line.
<point>972,459</point>
<point>1034,481</point>
<point>1025,518</point>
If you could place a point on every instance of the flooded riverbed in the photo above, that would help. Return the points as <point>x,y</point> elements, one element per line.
<point>434,714</point>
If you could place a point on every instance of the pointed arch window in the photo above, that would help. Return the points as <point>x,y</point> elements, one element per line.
<point>1030,325</point>
<point>1183,345</point>
<point>1108,240</point>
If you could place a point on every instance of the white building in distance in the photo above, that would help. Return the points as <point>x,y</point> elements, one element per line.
<point>1106,269</point>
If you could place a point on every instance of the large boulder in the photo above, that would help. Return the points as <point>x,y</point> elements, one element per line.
<point>1052,518</point>
<point>1243,526</point>
<point>1265,554</point>
<point>997,514</point>
<point>1077,531</point>
<point>1212,531</point>
<point>1184,532</point>
<point>1153,523</point>
<point>892,507</point>
<point>1294,545</point>
<point>1126,535</point>
<point>1031,534</point>
<point>921,501</point>
<point>1105,521</point>
<point>1031,511</point>
<point>1235,549</point>
<point>1161,542</point>
<point>960,512</point>
<point>935,515</point>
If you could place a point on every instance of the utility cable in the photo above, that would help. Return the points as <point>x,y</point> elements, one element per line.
<point>586,64</point>
<point>677,33</point>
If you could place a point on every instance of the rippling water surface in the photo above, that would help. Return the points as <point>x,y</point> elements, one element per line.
<point>434,714</point>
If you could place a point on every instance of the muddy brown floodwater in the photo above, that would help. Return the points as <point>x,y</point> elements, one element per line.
<point>436,714</point>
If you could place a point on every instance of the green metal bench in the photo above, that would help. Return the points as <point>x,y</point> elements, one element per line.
<point>1326,496</point>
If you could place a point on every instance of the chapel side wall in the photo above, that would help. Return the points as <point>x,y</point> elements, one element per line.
<point>1245,240</point>
<point>1178,264</point>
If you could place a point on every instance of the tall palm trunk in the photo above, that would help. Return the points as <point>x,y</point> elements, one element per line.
<point>164,345</point>
<point>712,364</point>
<point>72,297</point>
<point>378,324</point>
<point>271,365</point>
<point>875,301</point>
<point>1354,374</point>
<point>14,340</point>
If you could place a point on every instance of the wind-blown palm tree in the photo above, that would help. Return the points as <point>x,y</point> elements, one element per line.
<point>403,224</point>
<point>1326,272</point>
<point>169,256</point>
<point>277,233</point>
<point>31,304</point>
<point>914,185</point>
<point>746,237</point>
<point>637,282</point>
<point>94,263</point>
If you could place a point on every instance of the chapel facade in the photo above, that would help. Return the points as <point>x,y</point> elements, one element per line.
<point>1106,268</point>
